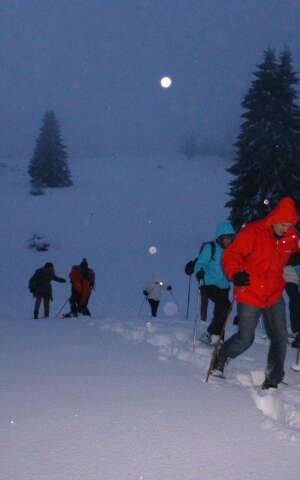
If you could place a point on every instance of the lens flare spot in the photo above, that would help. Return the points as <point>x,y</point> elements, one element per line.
<point>170,308</point>
<point>166,82</point>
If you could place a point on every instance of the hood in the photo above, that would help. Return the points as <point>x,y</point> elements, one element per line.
<point>224,228</point>
<point>284,212</point>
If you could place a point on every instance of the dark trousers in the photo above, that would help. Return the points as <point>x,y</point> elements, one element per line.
<point>75,302</point>
<point>294,306</point>
<point>275,325</point>
<point>219,296</point>
<point>46,301</point>
<point>154,306</point>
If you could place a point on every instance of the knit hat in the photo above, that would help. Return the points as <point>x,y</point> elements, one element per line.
<point>48,265</point>
<point>84,264</point>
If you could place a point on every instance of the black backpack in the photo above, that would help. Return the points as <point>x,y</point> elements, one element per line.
<point>33,282</point>
<point>190,266</point>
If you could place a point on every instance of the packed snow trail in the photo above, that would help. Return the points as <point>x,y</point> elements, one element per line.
<point>79,401</point>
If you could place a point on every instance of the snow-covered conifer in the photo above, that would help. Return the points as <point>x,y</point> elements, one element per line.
<point>48,166</point>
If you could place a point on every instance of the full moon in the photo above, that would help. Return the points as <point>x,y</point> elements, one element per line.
<point>166,82</point>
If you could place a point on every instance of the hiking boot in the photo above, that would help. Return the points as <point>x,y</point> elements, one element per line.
<point>219,364</point>
<point>36,316</point>
<point>268,384</point>
<point>296,342</point>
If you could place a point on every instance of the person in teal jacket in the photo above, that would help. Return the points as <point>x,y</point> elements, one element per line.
<point>216,286</point>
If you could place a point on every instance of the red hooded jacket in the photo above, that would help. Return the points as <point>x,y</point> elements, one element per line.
<point>257,250</point>
<point>83,285</point>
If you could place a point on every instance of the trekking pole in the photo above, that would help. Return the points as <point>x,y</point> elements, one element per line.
<point>262,327</point>
<point>61,308</point>
<point>195,331</point>
<point>219,343</point>
<point>188,299</point>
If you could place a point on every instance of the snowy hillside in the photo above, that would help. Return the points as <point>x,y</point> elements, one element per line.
<point>112,397</point>
<point>116,211</point>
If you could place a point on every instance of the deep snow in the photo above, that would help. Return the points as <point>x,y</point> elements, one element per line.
<point>112,397</point>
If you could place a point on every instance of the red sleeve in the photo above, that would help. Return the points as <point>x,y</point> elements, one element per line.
<point>235,255</point>
<point>76,279</point>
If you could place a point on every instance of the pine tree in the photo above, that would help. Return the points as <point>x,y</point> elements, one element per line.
<point>267,166</point>
<point>48,166</point>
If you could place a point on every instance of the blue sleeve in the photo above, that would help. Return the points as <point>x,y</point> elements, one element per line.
<point>203,259</point>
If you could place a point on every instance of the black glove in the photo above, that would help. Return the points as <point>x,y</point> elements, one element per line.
<point>145,293</point>
<point>189,268</point>
<point>200,275</point>
<point>169,287</point>
<point>32,290</point>
<point>241,279</point>
<point>62,280</point>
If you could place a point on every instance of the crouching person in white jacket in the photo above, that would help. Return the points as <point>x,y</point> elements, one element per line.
<point>153,291</point>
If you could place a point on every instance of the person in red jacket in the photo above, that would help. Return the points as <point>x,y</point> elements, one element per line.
<point>254,262</point>
<point>83,281</point>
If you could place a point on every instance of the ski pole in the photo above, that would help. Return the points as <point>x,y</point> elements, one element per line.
<point>61,308</point>
<point>195,331</point>
<point>219,343</point>
<point>188,299</point>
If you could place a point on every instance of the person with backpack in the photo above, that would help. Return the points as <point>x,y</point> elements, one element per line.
<point>40,287</point>
<point>255,262</point>
<point>215,287</point>
<point>153,291</point>
<point>292,278</point>
<point>82,283</point>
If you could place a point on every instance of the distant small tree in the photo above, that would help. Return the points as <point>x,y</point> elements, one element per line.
<point>267,165</point>
<point>48,166</point>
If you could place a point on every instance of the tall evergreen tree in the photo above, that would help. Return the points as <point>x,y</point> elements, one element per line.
<point>267,166</point>
<point>48,166</point>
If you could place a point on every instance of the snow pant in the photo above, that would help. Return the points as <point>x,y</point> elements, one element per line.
<point>154,306</point>
<point>219,296</point>
<point>294,306</point>
<point>46,301</point>
<point>274,319</point>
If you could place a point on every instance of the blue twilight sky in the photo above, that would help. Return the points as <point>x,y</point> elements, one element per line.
<point>97,64</point>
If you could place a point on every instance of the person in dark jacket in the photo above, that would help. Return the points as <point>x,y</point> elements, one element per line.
<point>40,287</point>
<point>83,282</point>
<point>292,278</point>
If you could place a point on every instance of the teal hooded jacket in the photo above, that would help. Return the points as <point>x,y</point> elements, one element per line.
<point>213,269</point>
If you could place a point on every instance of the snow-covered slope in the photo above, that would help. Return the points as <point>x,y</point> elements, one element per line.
<point>117,209</point>
<point>111,396</point>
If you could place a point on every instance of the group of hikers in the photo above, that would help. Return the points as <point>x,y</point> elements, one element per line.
<point>262,261</point>
<point>82,279</point>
